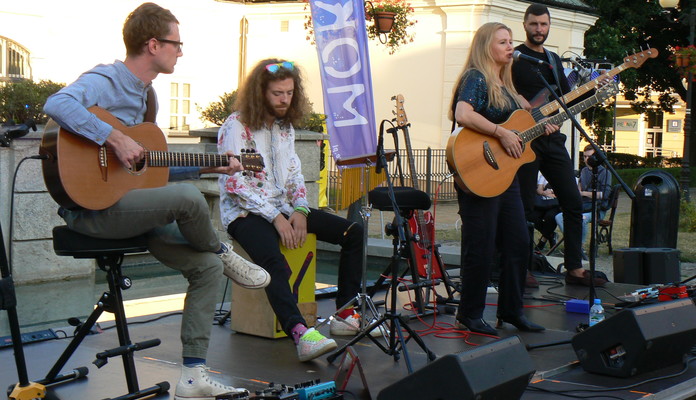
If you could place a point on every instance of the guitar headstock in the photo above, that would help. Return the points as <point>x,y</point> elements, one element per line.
<point>400,112</point>
<point>636,60</point>
<point>251,160</point>
<point>607,91</point>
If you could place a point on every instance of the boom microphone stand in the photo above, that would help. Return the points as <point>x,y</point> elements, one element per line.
<point>601,159</point>
<point>397,342</point>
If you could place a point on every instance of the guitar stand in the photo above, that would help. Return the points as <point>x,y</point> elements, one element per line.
<point>420,302</point>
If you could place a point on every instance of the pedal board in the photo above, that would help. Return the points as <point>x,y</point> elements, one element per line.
<point>31,337</point>
<point>310,390</point>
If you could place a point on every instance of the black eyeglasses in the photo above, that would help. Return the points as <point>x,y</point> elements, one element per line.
<point>178,45</point>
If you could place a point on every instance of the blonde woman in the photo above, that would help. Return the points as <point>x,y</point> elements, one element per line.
<point>484,98</point>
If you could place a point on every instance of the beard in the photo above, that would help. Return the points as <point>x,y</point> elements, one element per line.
<point>278,112</point>
<point>537,42</point>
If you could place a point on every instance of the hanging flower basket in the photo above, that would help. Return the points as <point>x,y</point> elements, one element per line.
<point>392,18</point>
<point>384,20</point>
<point>392,22</point>
<point>685,60</point>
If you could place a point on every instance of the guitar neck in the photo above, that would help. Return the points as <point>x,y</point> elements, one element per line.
<point>539,129</point>
<point>411,162</point>
<point>553,106</point>
<point>174,159</point>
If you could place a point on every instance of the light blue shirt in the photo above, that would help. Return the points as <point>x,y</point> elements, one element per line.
<point>114,88</point>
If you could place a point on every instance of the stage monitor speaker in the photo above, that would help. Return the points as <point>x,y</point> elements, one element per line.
<point>498,370</point>
<point>628,265</point>
<point>661,265</point>
<point>638,340</point>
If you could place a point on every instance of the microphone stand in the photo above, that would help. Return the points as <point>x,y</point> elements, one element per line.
<point>601,160</point>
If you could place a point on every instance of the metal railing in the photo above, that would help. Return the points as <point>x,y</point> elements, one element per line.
<point>431,168</point>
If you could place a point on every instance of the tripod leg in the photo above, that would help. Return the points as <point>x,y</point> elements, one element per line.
<point>357,338</point>
<point>412,334</point>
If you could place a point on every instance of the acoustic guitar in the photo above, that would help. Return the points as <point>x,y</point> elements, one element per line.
<point>482,166</point>
<point>82,174</point>
<point>542,109</point>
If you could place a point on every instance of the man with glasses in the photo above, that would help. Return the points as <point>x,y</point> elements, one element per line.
<point>262,208</point>
<point>174,218</point>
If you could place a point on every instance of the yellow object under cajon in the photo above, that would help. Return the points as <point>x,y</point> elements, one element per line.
<point>251,311</point>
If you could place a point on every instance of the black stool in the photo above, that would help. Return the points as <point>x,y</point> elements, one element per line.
<point>407,199</point>
<point>109,254</point>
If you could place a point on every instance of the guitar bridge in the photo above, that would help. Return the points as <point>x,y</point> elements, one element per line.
<point>488,155</point>
<point>103,162</point>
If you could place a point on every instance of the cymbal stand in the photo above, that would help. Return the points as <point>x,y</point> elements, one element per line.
<point>362,298</point>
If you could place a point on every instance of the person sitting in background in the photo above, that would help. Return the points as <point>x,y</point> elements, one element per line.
<point>545,210</point>
<point>585,187</point>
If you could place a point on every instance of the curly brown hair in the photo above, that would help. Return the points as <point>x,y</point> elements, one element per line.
<point>146,22</point>
<point>251,96</point>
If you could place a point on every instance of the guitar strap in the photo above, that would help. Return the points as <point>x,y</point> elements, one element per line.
<point>151,106</point>
<point>556,70</point>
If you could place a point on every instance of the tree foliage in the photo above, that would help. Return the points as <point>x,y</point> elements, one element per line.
<point>626,26</point>
<point>218,111</point>
<point>24,99</point>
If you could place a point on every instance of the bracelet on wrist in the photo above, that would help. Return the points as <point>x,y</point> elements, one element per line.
<point>302,210</point>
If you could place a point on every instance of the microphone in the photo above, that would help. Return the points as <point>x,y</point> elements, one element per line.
<point>517,55</point>
<point>380,150</point>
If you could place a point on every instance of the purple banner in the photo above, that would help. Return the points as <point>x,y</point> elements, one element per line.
<point>344,61</point>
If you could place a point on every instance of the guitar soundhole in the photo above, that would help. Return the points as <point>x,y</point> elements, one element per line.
<point>139,168</point>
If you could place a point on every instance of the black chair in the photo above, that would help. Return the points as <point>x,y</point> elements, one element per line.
<point>109,256</point>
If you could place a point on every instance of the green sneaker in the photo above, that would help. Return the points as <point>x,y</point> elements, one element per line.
<point>313,344</point>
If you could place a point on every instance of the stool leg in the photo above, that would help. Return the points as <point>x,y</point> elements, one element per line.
<point>114,278</point>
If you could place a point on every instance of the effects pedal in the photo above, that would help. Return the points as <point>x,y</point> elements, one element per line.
<point>315,390</point>
<point>276,392</point>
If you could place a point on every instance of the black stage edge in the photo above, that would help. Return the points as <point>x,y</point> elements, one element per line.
<point>253,362</point>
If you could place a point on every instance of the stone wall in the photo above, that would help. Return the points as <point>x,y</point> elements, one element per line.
<point>44,279</point>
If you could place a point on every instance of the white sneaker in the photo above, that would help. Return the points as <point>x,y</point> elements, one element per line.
<point>351,327</point>
<point>242,272</point>
<point>196,384</point>
<point>313,344</point>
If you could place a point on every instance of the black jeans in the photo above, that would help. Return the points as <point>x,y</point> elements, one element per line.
<point>554,163</point>
<point>260,240</point>
<point>490,225</point>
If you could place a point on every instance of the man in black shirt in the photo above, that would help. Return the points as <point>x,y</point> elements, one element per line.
<point>552,158</point>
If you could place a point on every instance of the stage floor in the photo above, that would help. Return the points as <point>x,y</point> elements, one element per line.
<point>253,362</point>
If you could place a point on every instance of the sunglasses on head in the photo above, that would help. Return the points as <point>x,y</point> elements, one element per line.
<point>273,68</point>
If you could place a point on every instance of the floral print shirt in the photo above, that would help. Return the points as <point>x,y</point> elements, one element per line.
<point>279,188</point>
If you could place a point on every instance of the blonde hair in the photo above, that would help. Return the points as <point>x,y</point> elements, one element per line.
<point>481,59</point>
